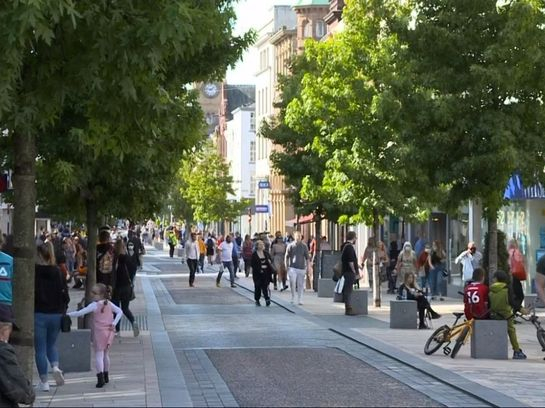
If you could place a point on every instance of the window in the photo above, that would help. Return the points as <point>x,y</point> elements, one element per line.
<point>252,122</point>
<point>252,152</point>
<point>320,28</point>
<point>252,186</point>
<point>307,29</point>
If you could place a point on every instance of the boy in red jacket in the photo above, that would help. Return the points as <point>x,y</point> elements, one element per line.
<point>476,296</point>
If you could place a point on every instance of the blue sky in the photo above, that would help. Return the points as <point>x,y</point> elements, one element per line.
<point>250,14</point>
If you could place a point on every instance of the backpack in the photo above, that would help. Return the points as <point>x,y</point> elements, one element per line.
<point>106,262</point>
<point>210,243</point>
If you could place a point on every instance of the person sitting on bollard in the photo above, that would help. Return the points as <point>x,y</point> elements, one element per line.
<point>501,309</point>
<point>409,290</point>
<point>476,297</point>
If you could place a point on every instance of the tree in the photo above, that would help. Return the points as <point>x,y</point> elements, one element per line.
<point>119,70</point>
<point>204,185</point>
<point>472,101</point>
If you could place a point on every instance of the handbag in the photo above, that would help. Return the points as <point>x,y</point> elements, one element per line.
<point>131,296</point>
<point>66,323</point>
<point>339,286</point>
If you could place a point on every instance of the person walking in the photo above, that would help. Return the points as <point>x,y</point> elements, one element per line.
<point>391,275</point>
<point>210,246</point>
<point>436,262</point>
<point>202,251</point>
<point>135,248</point>
<point>123,284</point>
<point>50,302</point>
<point>172,241</point>
<point>262,272</point>
<point>81,263</point>
<point>15,388</point>
<point>297,261</point>
<point>369,261</point>
<point>278,254</point>
<point>247,251</point>
<point>102,329</point>
<point>406,262</point>
<point>226,256</point>
<point>192,256</point>
<point>349,261</point>
<point>104,258</point>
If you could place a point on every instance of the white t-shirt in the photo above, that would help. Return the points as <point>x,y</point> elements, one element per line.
<point>226,251</point>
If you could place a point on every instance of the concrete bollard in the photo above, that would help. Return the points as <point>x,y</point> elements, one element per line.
<point>158,245</point>
<point>75,351</point>
<point>530,299</point>
<point>338,298</point>
<point>326,288</point>
<point>489,339</point>
<point>359,301</point>
<point>403,314</point>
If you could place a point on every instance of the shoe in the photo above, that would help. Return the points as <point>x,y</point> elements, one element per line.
<point>100,380</point>
<point>117,334</point>
<point>422,326</point>
<point>300,303</point>
<point>135,329</point>
<point>268,302</point>
<point>284,288</point>
<point>257,303</point>
<point>58,376</point>
<point>433,298</point>
<point>441,298</point>
<point>275,287</point>
<point>191,285</point>
<point>43,386</point>
<point>218,285</point>
<point>349,311</point>
<point>106,377</point>
<point>292,301</point>
<point>519,355</point>
<point>233,285</point>
<point>434,314</point>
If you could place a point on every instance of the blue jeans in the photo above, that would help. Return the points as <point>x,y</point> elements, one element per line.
<point>46,330</point>
<point>436,279</point>
<point>230,268</point>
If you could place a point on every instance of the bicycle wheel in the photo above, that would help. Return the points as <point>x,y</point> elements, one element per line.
<point>541,338</point>
<point>435,341</point>
<point>459,342</point>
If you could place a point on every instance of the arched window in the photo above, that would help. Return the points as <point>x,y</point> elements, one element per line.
<point>307,29</point>
<point>320,28</point>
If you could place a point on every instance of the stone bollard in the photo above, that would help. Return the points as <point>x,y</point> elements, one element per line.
<point>338,298</point>
<point>75,351</point>
<point>403,314</point>
<point>326,287</point>
<point>158,245</point>
<point>359,301</point>
<point>489,339</point>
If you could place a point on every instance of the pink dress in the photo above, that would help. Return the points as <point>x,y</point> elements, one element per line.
<point>102,333</point>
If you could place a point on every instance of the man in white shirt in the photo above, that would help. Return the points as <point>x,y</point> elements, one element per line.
<point>471,259</point>
<point>192,256</point>
<point>226,255</point>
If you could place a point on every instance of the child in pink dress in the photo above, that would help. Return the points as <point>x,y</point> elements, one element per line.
<point>102,329</point>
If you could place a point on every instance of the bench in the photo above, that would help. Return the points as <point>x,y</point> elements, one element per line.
<point>489,339</point>
<point>403,314</point>
<point>75,350</point>
<point>326,287</point>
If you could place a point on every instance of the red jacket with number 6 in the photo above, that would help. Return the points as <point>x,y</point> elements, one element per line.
<point>476,301</point>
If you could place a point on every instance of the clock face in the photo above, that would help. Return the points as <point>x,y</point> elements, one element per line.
<point>210,90</point>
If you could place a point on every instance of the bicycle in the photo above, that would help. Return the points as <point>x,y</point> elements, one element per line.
<point>461,332</point>
<point>532,318</point>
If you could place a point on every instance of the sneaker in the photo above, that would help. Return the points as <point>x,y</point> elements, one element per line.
<point>433,298</point>
<point>233,285</point>
<point>58,376</point>
<point>135,329</point>
<point>257,303</point>
<point>268,302</point>
<point>218,285</point>
<point>423,326</point>
<point>284,288</point>
<point>441,298</point>
<point>300,303</point>
<point>519,355</point>
<point>43,386</point>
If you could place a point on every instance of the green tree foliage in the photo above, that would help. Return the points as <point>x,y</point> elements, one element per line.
<point>205,185</point>
<point>473,98</point>
<point>111,77</point>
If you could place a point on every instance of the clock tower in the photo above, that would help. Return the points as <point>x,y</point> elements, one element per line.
<point>210,101</point>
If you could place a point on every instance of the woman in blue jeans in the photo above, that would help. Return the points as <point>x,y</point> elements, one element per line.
<point>436,261</point>
<point>50,302</point>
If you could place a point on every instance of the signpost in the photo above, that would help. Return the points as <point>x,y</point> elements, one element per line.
<point>264,184</point>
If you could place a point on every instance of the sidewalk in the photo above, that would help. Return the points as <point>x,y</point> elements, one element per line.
<point>510,377</point>
<point>133,374</point>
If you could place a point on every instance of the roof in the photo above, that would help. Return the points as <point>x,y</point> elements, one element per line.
<point>238,96</point>
<point>306,3</point>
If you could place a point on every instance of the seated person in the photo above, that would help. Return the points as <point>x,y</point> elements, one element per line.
<point>501,309</point>
<point>476,296</point>
<point>413,292</point>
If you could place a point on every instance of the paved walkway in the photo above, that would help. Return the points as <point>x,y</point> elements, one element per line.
<point>178,358</point>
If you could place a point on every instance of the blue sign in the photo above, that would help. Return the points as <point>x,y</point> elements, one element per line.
<point>262,208</point>
<point>264,184</point>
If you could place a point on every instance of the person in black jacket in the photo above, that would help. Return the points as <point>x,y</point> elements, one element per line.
<point>123,283</point>
<point>409,290</point>
<point>15,388</point>
<point>262,270</point>
<point>350,270</point>
<point>50,302</point>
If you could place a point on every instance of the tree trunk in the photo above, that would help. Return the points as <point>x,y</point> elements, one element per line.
<point>317,258</point>
<point>24,178</point>
<point>92,228</point>
<point>492,245</point>
<point>376,275</point>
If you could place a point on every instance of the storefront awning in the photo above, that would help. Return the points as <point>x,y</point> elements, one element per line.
<point>515,190</point>
<point>303,219</point>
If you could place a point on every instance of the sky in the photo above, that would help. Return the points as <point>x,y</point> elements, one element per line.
<point>250,14</point>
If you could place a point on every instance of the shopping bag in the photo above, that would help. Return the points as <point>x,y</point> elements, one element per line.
<point>340,285</point>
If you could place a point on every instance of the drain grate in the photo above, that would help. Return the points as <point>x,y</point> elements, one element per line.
<point>142,321</point>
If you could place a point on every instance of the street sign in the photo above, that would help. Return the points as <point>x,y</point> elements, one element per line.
<point>262,208</point>
<point>264,184</point>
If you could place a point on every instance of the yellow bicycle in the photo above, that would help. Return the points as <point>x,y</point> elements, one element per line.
<point>459,332</point>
